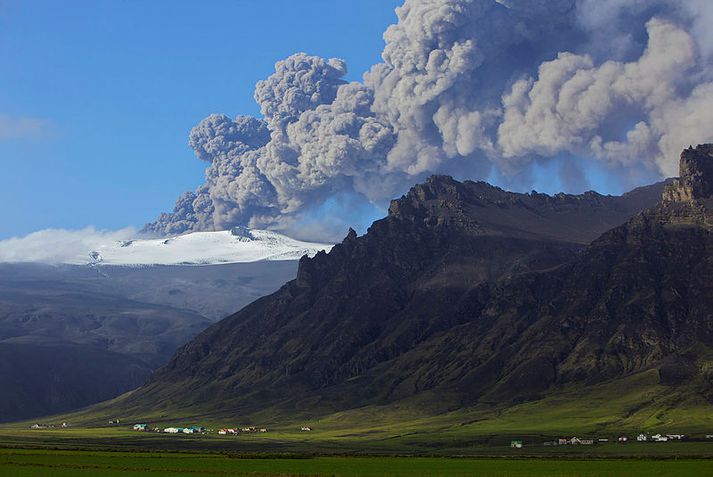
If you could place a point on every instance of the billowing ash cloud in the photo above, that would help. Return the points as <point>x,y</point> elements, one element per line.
<point>474,88</point>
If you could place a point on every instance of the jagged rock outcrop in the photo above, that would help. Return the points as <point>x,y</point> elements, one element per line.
<point>696,176</point>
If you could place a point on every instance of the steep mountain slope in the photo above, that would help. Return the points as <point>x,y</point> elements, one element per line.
<point>640,297</point>
<point>372,320</point>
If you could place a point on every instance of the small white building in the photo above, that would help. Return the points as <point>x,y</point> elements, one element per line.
<point>306,428</point>
<point>642,438</point>
<point>659,438</point>
<point>171,430</point>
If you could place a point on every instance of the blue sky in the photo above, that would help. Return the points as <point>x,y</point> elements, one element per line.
<point>97,97</point>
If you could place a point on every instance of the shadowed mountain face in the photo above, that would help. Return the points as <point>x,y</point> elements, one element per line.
<point>463,287</point>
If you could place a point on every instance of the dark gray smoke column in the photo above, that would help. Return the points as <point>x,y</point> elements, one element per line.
<point>466,87</point>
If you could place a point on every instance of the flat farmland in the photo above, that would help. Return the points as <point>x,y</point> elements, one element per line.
<point>49,463</point>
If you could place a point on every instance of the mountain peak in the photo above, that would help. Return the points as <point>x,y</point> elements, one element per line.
<point>696,176</point>
<point>351,235</point>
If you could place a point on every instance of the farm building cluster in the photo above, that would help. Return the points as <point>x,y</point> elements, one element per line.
<point>171,430</point>
<point>660,437</point>
<point>234,431</point>
<point>186,430</point>
<point>64,425</point>
<point>573,441</point>
<point>199,430</point>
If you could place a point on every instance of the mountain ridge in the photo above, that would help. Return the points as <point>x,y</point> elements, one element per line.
<point>360,325</point>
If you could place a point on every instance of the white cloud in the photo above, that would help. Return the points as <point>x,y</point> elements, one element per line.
<point>59,245</point>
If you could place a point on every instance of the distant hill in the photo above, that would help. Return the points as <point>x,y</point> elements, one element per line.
<point>74,335</point>
<point>464,289</point>
<point>44,378</point>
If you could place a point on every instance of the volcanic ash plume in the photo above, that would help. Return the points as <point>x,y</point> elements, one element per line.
<point>474,88</point>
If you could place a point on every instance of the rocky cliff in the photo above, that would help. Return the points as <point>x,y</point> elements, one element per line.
<point>696,176</point>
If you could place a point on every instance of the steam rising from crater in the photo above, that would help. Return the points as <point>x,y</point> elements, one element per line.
<point>474,88</point>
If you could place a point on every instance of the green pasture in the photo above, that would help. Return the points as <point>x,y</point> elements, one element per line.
<point>437,439</point>
<point>45,463</point>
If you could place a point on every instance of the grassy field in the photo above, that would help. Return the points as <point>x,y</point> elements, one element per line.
<point>327,444</point>
<point>41,463</point>
<point>376,440</point>
<point>636,404</point>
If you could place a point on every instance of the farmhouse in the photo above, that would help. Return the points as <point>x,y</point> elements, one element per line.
<point>517,444</point>
<point>194,430</point>
<point>140,427</point>
<point>577,440</point>
<point>306,428</point>
<point>172,430</point>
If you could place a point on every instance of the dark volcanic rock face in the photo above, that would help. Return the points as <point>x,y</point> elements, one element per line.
<point>640,295</point>
<point>418,302</point>
<point>696,176</point>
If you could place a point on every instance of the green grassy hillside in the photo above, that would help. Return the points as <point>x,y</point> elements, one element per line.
<point>626,406</point>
